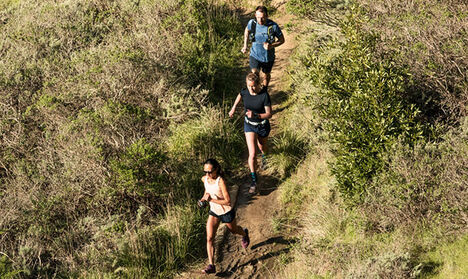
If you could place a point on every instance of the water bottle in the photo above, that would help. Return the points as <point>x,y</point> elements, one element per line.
<point>202,204</point>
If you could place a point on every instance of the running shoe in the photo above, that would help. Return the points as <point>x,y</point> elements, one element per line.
<point>253,187</point>
<point>246,239</point>
<point>209,269</point>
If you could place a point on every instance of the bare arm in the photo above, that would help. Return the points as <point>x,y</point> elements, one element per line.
<point>267,114</point>
<point>236,102</point>
<point>205,194</point>
<point>279,42</point>
<point>246,39</point>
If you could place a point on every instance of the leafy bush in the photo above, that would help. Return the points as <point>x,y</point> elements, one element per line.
<point>360,99</point>
<point>427,37</point>
<point>375,87</point>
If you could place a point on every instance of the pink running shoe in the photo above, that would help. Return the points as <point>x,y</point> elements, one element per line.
<point>246,239</point>
<point>209,269</point>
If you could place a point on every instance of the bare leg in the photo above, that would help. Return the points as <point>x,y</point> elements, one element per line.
<point>211,227</point>
<point>266,80</point>
<point>262,144</point>
<point>251,138</point>
<point>234,228</point>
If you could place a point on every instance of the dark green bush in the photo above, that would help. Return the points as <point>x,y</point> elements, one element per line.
<point>139,175</point>
<point>361,100</point>
<point>427,37</point>
<point>6,269</point>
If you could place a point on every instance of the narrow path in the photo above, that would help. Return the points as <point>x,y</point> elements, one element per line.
<point>255,213</point>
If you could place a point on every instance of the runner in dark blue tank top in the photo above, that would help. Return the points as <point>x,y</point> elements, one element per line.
<point>257,109</point>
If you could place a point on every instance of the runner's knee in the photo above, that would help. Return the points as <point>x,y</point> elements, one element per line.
<point>210,239</point>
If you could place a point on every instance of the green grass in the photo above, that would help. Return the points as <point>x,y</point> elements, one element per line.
<point>448,260</point>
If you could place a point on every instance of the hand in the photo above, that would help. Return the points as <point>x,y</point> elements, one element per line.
<point>244,49</point>
<point>206,197</point>
<point>231,112</point>
<point>267,46</point>
<point>249,113</point>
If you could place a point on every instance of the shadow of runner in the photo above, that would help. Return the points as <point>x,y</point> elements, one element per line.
<point>230,272</point>
<point>277,239</point>
<point>267,184</point>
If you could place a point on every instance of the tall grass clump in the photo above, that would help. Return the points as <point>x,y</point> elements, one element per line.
<point>90,94</point>
<point>329,12</point>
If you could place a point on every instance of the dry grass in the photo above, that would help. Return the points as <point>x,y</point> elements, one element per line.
<point>89,90</point>
<point>430,38</point>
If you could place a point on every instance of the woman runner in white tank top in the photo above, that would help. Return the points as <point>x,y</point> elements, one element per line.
<point>217,195</point>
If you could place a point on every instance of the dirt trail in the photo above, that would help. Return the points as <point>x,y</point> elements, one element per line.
<point>256,212</point>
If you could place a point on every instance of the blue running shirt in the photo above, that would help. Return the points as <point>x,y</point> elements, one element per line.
<point>261,35</point>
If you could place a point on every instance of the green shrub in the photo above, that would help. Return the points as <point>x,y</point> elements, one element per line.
<point>6,269</point>
<point>370,89</point>
<point>139,174</point>
<point>360,99</point>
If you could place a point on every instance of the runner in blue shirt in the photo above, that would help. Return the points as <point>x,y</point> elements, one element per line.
<point>266,36</point>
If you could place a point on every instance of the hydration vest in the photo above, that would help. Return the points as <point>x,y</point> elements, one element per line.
<point>253,28</point>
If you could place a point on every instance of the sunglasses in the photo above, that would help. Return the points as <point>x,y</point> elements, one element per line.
<point>208,171</point>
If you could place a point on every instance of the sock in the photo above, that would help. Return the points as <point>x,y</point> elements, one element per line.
<point>254,177</point>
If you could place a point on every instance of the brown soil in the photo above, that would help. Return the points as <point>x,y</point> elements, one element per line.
<point>255,212</point>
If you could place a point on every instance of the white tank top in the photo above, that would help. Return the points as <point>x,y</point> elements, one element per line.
<point>216,193</point>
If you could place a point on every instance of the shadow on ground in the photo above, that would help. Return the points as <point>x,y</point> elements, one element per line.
<point>266,185</point>
<point>275,240</point>
<point>255,261</point>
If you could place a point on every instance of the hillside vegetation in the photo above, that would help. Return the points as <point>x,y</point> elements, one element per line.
<point>379,184</point>
<point>107,110</point>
